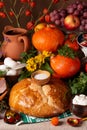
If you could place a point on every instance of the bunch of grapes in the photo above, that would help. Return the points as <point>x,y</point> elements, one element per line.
<point>78,8</point>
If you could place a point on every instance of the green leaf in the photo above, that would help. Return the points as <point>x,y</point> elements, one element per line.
<point>47,67</point>
<point>78,84</point>
<point>24,74</point>
<point>67,51</point>
<point>26,55</point>
<point>2,73</point>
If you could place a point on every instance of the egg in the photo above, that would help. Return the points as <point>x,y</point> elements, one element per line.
<point>10,62</point>
<point>12,72</point>
<point>3,67</point>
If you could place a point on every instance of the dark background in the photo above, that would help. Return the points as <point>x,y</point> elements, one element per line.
<point>40,4</point>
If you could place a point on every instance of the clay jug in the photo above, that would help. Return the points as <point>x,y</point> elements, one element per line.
<point>15,42</point>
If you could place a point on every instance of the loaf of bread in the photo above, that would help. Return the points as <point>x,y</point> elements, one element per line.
<point>36,100</point>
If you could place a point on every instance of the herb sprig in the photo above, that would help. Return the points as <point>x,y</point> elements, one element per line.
<point>78,84</point>
<point>67,51</point>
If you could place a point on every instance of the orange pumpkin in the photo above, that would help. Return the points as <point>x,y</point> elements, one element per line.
<point>65,67</point>
<point>48,38</point>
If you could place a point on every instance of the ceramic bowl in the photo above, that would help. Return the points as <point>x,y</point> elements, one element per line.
<point>79,110</point>
<point>82,41</point>
<point>40,77</point>
<point>79,105</point>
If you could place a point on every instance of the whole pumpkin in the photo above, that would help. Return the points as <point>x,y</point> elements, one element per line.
<point>65,67</point>
<point>48,38</point>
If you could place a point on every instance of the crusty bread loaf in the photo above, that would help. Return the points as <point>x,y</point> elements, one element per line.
<point>32,99</point>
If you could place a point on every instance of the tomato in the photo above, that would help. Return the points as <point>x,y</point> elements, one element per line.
<point>65,67</point>
<point>72,42</point>
<point>55,121</point>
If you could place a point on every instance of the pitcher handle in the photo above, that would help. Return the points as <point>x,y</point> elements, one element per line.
<point>26,42</point>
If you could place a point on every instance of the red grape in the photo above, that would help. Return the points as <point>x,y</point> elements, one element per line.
<point>57,22</point>
<point>81,28</point>
<point>85,14</point>
<point>83,22</point>
<point>85,27</point>
<point>78,8</point>
<point>74,5</point>
<point>70,10</point>
<point>76,12</point>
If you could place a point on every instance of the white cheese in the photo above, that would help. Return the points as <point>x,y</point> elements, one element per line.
<point>80,100</point>
<point>41,76</point>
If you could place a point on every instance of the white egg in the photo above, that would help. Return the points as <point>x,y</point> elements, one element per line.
<point>10,62</point>
<point>18,62</point>
<point>3,67</point>
<point>11,72</point>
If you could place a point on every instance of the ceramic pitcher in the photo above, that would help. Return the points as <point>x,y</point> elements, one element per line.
<point>15,42</point>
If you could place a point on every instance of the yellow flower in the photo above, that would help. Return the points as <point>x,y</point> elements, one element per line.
<point>39,58</point>
<point>31,65</point>
<point>46,54</point>
<point>35,62</point>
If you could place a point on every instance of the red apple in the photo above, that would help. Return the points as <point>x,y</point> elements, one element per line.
<point>71,22</point>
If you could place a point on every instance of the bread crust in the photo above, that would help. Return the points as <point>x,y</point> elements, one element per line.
<point>47,100</point>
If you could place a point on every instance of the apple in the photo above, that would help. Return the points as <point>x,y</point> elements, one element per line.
<point>39,26</point>
<point>71,22</point>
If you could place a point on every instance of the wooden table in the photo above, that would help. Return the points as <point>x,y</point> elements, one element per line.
<point>43,126</point>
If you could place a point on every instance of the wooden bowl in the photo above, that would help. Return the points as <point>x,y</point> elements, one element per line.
<point>40,77</point>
